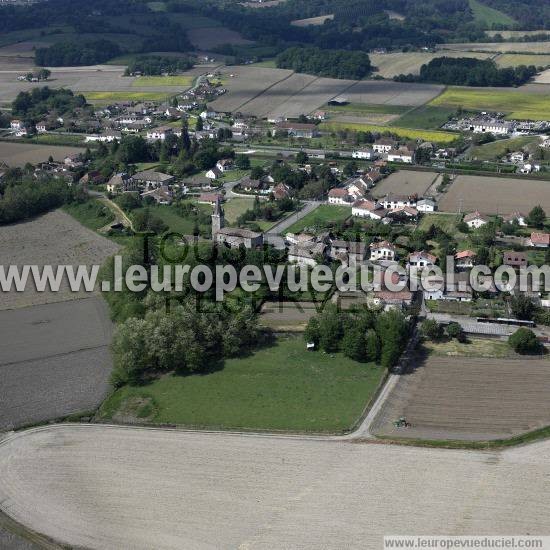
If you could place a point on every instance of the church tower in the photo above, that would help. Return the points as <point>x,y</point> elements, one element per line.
<point>218,218</point>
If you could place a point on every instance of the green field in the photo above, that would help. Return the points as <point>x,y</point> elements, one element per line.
<point>497,149</point>
<point>171,217</point>
<point>124,96</point>
<point>156,6</point>
<point>280,387</point>
<point>521,105</point>
<point>447,222</point>
<point>91,214</point>
<point>233,208</point>
<point>154,81</point>
<point>268,64</point>
<point>407,133</point>
<point>362,108</point>
<point>320,217</point>
<point>488,16</point>
<point>425,117</point>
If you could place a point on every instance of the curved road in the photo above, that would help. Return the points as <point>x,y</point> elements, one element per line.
<point>106,487</point>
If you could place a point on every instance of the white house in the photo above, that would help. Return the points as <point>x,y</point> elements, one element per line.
<point>368,209</point>
<point>465,259</point>
<point>426,205</point>
<point>516,217</point>
<point>367,154</point>
<point>384,145</point>
<point>403,154</point>
<point>340,196</point>
<point>159,133</point>
<point>517,157</point>
<point>224,165</point>
<point>398,201</point>
<point>475,220</point>
<point>421,259</point>
<point>214,173</point>
<point>382,251</point>
<point>491,127</point>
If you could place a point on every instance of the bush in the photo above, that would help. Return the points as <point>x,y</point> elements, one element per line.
<point>525,342</point>
<point>454,330</point>
<point>432,330</point>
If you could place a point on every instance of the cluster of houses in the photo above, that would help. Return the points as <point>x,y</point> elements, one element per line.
<point>496,124</point>
<point>149,183</point>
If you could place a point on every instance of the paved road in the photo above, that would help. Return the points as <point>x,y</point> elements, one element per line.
<point>103,487</point>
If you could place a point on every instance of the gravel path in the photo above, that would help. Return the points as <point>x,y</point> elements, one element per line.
<point>106,487</point>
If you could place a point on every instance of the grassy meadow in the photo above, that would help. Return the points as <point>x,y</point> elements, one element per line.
<point>278,387</point>
<point>322,215</point>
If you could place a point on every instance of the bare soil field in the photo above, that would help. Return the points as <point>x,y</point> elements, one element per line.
<point>367,118</point>
<point>495,195</point>
<point>287,316</point>
<point>246,84</point>
<point>208,38</point>
<point>500,47</point>
<point>405,182</point>
<point>379,92</point>
<point>469,398</point>
<point>393,64</point>
<point>18,154</point>
<point>54,361</point>
<point>274,99</point>
<point>52,239</point>
<point>102,487</point>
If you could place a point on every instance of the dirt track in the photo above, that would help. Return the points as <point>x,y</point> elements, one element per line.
<point>107,487</point>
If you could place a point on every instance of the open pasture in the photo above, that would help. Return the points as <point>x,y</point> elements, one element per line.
<point>518,104</point>
<point>469,398</point>
<point>393,64</point>
<point>516,34</point>
<point>492,195</point>
<point>405,182</point>
<point>180,81</point>
<point>206,38</point>
<point>488,16</point>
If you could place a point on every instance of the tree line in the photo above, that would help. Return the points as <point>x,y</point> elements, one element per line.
<point>39,102</point>
<point>72,53</point>
<point>328,63</point>
<point>151,65</point>
<point>466,71</point>
<point>360,334</point>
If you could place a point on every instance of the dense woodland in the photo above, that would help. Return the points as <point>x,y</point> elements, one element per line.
<point>465,71</point>
<point>151,65</point>
<point>73,53</point>
<point>33,105</point>
<point>328,63</point>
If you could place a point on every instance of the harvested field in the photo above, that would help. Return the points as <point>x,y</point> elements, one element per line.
<point>543,78</point>
<point>22,49</point>
<point>101,78</point>
<point>469,398</point>
<point>373,118</point>
<point>212,37</point>
<point>54,361</point>
<point>405,182</point>
<point>379,92</point>
<point>393,64</point>
<point>312,21</point>
<point>52,239</point>
<point>18,154</point>
<point>495,195</point>
<point>246,84</point>
<point>499,47</point>
<point>135,488</point>
<point>513,60</point>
